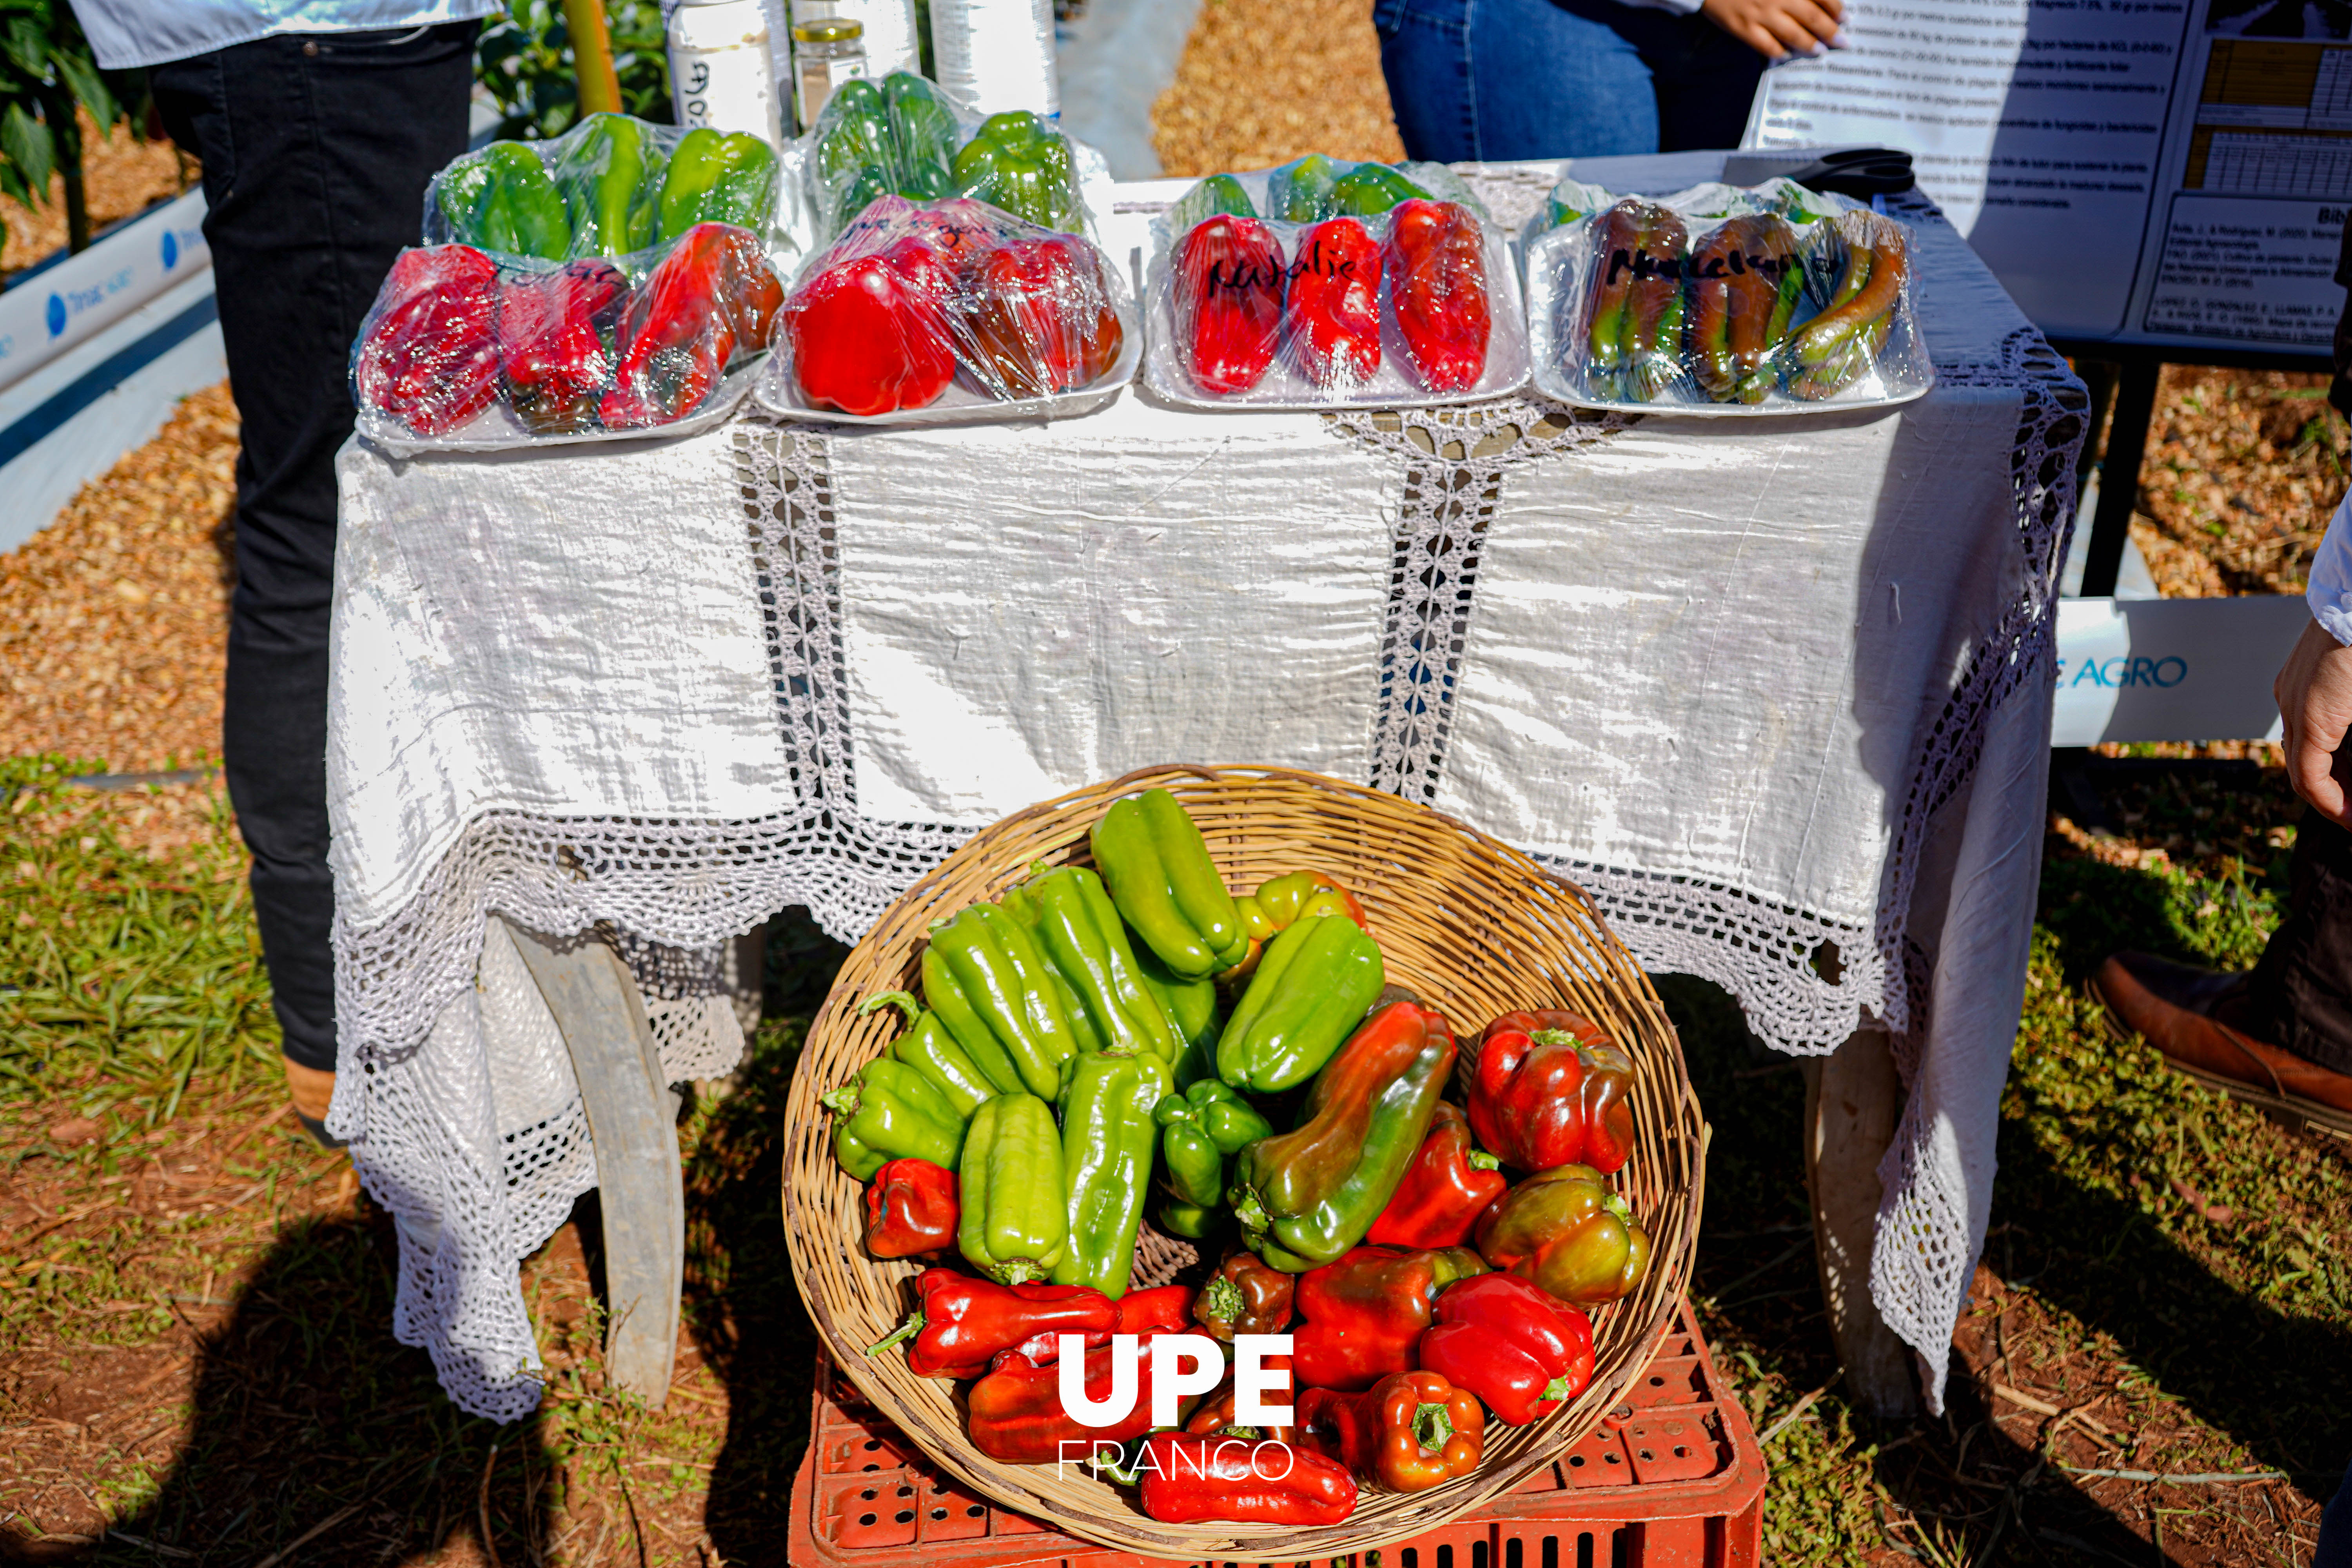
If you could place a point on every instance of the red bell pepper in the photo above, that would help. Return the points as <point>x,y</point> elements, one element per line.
<point>1445,1189</point>
<point>1039,315</point>
<point>1015,1414</point>
<point>1247,1295</point>
<point>552,352</point>
<point>429,353</point>
<point>1333,307</point>
<point>1165,1309</point>
<point>712,297</point>
<point>1228,302</point>
<point>871,334</point>
<point>1366,1313</point>
<point>960,1324</point>
<point>1437,287</point>
<point>1410,1431</point>
<point>1189,1476</point>
<point>910,1209</point>
<point>1567,1232</point>
<point>1511,1344</point>
<point>1549,1090</point>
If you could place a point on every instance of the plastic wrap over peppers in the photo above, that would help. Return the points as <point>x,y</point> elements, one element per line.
<point>927,313</point>
<point>1723,299</point>
<point>900,136</point>
<point>602,284</point>
<point>1366,285</point>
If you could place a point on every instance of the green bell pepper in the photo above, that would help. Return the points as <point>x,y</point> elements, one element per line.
<point>1087,944</point>
<point>985,976</point>
<point>607,176</point>
<point>1314,983</point>
<point>1193,1005</point>
<point>715,178</point>
<point>930,1050</point>
<point>1157,866</point>
<point>1014,1224</point>
<point>854,151</point>
<point>501,199</point>
<point>1301,191</point>
<point>1016,162</point>
<point>1370,189</point>
<point>1108,1140</point>
<point>1306,1196</point>
<point>1194,1222</point>
<point>1201,1128</point>
<point>922,136</point>
<point>890,1111</point>
<point>1217,193</point>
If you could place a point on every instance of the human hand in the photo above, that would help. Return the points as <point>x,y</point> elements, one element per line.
<point>1777,28</point>
<point>2314,704</point>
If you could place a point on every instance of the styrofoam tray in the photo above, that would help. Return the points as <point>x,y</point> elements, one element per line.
<point>1285,390</point>
<point>496,429</point>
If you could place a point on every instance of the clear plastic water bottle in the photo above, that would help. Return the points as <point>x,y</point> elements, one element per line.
<point>995,55</point>
<point>723,70</point>
<point>826,52</point>
<point>891,41</point>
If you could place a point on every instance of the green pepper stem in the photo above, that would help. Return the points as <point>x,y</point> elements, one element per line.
<point>842,1101</point>
<point>911,1327</point>
<point>1432,1428</point>
<point>905,1000</point>
<point>1249,1211</point>
<point>1017,1271</point>
<point>1482,1161</point>
<point>1617,1206</point>
<point>1221,1299</point>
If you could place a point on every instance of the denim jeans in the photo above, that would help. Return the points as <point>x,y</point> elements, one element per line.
<point>316,151</point>
<point>1560,78</point>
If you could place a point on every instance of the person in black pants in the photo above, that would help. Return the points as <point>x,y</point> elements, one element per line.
<point>316,151</point>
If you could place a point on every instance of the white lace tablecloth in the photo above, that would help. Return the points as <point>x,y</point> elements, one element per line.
<point>1776,692</point>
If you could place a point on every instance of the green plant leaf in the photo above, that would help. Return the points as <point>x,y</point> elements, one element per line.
<point>28,143</point>
<point>89,88</point>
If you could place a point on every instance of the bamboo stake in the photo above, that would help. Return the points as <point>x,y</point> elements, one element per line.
<point>591,56</point>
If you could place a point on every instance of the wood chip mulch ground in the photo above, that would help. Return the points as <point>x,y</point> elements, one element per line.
<point>113,619</point>
<point>1260,85</point>
<point>119,176</point>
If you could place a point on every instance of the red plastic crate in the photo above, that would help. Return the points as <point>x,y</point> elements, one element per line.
<point>1672,1478</point>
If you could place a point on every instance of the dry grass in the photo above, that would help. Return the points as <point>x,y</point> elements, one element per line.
<point>1260,85</point>
<point>120,177</point>
<point>113,619</point>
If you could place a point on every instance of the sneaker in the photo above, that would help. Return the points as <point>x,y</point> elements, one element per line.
<point>2197,1017</point>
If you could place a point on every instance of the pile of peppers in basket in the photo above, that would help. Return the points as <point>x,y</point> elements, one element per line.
<point>911,296</point>
<point>1313,287</point>
<point>569,347</point>
<point>1115,1053</point>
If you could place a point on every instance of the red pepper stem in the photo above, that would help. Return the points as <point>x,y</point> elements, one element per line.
<point>842,1101</point>
<point>1551,1036</point>
<point>1482,1161</point>
<point>905,1000</point>
<point>1118,1466</point>
<point>1432,1428</point>
<point>907,1329</point>
<point>1222,1300</point>
<point>1558,1388</point>
<point>1619,1207</point>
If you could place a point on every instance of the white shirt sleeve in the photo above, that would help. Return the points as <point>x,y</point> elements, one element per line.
<point>2330,593</point>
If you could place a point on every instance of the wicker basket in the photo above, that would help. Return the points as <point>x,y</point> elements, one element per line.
<point>1472,925</point>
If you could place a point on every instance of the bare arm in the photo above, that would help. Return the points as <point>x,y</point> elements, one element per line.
<point>2315,702</point>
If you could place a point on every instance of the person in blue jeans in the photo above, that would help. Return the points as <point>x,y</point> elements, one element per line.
<point>1490,79</point>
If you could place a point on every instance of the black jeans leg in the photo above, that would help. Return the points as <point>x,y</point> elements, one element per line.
<point>316,151</point>
<point>2301,995</point>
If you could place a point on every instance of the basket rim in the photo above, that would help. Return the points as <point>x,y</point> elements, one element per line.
<point>805,1220</point>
